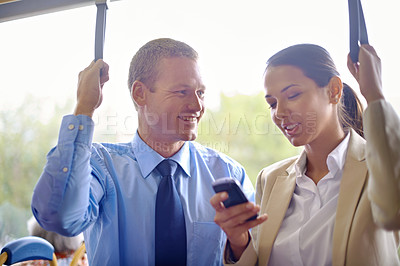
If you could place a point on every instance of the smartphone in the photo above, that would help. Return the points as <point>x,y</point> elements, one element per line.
<point>232,187</point>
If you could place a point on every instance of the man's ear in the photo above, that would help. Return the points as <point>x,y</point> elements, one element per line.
<point>138,92</point>
<point>335,87</point>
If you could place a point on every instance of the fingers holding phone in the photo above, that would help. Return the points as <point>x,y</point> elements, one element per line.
<point>231,203</point>
<point>236,219</point>
<point>234,213</point>
<point>237,214</point>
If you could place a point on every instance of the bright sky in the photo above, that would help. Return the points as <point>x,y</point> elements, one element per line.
<point>43,55</point>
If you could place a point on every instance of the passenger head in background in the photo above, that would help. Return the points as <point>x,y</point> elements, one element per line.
<point>61,244</point>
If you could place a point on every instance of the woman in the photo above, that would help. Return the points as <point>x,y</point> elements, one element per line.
<point>338,202</point>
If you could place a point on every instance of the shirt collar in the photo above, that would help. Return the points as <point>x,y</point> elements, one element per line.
<point>148,158</point>
<point>335,160</point>
<point>300,165</point>
<point>182,157</point>
<point>337,157</point>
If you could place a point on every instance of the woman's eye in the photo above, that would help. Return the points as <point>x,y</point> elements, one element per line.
<point>292,96</point>
<point>272,105</point>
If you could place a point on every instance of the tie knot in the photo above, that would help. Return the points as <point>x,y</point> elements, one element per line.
<point>167,167</point>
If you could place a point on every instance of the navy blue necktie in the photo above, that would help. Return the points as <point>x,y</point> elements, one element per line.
<point>170,220</point>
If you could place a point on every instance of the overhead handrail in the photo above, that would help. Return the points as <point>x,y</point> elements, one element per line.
<point>358,29</point>
<point>100,29</point>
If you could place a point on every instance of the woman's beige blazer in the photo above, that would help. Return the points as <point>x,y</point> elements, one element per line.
<point>369,200</point>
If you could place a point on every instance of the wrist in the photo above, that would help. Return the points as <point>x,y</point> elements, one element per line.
<point>238,249</point>
<point>79,110</point>
<point>374,97</point>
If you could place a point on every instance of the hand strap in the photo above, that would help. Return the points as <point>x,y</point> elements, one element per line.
<point>358,29</point>
<point>100,29</point>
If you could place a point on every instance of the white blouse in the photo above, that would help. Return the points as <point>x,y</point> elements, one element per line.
<point>305,236</point>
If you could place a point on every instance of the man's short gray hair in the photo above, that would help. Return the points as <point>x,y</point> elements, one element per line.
<point>144,63</point>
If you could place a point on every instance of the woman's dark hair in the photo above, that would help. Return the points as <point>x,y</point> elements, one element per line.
<point>317,64</point>
<point>351,110</point>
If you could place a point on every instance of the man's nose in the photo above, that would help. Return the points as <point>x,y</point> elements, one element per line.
<point>196,103</point>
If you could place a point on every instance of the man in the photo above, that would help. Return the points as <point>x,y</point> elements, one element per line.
<point>110,191</point>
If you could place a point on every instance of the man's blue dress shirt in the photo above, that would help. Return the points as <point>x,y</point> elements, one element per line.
<point>109,192</point>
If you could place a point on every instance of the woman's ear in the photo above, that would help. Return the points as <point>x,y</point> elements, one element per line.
<point>138,92</point>
<point>335,87</point>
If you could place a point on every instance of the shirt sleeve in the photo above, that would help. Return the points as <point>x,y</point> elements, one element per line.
<point>247,186</point>
<point>65,199</point>
<point>382,132</point>
<point>248,258</point>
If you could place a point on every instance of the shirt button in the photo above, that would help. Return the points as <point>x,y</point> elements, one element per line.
<point>65,169</point>
<point>80,127</point>
<point>71,126</point>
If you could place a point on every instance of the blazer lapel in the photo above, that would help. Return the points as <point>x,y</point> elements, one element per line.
<point>278,203</point>
<point>351,187</point>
